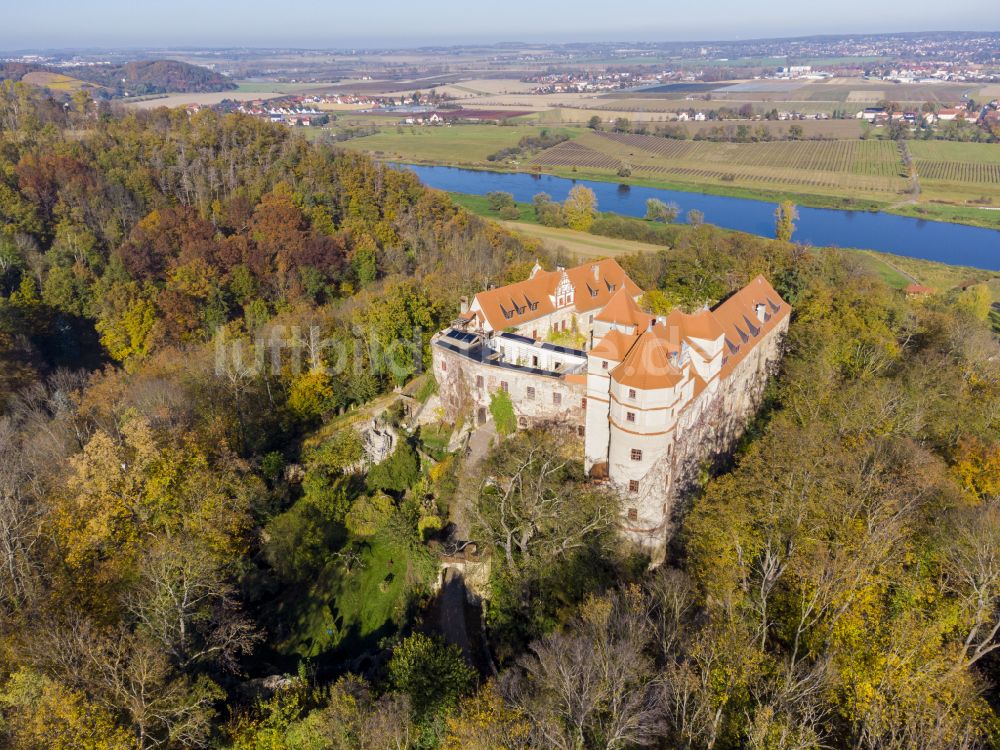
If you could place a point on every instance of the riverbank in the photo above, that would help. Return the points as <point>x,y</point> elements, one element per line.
<point>777,175</point>
<point>986,217</point>
<point>949,243</point>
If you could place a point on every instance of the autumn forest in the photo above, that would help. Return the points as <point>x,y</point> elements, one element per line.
<point>197,551</point>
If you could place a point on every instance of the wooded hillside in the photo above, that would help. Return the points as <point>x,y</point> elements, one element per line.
<point>195,553</point>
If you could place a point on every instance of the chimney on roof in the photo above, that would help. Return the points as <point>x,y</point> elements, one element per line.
<point>759,307</point>
<point>597,271</point>
<point>463,305</point>
<point>535,269</point>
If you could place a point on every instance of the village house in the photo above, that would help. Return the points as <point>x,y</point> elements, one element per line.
<point>651,397</point>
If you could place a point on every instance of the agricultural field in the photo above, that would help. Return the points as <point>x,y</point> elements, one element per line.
<point>57,81</point>
<point>832,129</point>
<point>959,181</point>
<point>457,145</point>
<point>872,168</point>
<point>958,172</point>
<point>206,98</point>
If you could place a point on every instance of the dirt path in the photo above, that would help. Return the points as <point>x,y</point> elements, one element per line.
<point>904,152</point>
<point>470,479</point>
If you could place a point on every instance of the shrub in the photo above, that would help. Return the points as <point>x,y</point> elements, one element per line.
<point>503,412</point>
<point>398,472</point>
<point>432,673</point>
<point>498,200</point>
<point>369,514</point>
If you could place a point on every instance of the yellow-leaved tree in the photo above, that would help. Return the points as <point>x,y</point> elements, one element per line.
<point>42,713</point>
<point>580,208</point>
<point>126,489</point>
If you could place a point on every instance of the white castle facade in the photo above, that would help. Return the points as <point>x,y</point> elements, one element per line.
<point>651,397</point>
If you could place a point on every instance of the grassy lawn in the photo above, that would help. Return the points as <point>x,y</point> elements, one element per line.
<point>980,217</point>
<point>479,205</point>
<point>350,610</point>
<point>902,271</point>
<point>435,436</point>
<point>579,244</point>
<point>955,151</point>
<point>269,87</point>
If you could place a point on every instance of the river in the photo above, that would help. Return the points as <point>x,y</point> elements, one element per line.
<point>956,244</point>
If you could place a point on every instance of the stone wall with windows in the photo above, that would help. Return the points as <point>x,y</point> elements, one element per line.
<point>669,465</point>
<point>465,387</point>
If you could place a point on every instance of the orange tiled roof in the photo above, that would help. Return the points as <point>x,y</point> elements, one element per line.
<point>594,291</point>
<point>614,345</point>
<point>699,325</point>
<point>649,364</point>
<point>740,322</point>
<point>624,310</point>
<point>593,284</point>
<point>918,289</point>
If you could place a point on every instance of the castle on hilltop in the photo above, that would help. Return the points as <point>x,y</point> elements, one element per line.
<point>651,397</point>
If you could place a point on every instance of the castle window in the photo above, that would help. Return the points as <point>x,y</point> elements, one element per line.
<point>479,381</point>
<point>522,421</point>
<point>604,365</point>
<point>591,319</point>
<point>630,416</point>
<point>579,430</point>
<point>557,398</point>
<point>504,387</point>
<point>444,366</point>
<point>534,360</point>
<point>583,402</point>
<point>636,454</point>
<point>593,292</point>
<point>531,393</point>
<point>631,392</point>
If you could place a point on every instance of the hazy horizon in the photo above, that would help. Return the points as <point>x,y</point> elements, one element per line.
<point>106,24</point>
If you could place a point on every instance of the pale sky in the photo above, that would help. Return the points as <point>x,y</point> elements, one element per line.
<point>315,23</point>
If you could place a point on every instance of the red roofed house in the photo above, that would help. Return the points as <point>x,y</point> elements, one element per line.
<point>653,397</point>
<point>917,290</point>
